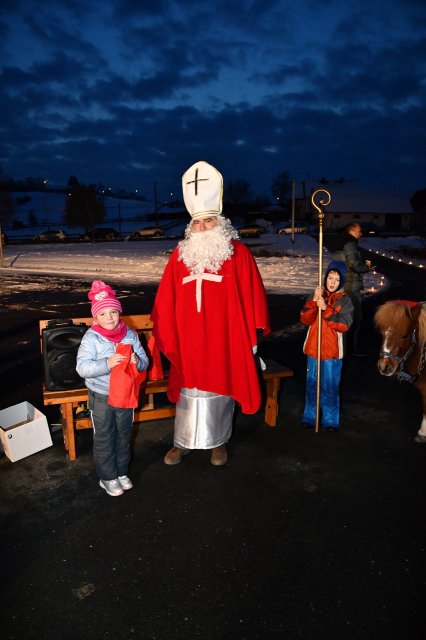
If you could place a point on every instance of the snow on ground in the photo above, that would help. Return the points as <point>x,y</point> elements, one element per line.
<point>286,267</point>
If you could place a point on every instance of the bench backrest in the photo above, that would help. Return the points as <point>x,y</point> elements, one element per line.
<point>141,323</point>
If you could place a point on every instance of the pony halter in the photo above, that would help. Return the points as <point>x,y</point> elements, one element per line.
<point>401,374</point>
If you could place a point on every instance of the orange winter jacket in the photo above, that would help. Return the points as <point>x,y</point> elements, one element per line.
<point>336,319</point>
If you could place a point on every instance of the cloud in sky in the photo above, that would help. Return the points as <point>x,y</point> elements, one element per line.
<point>128,93</point>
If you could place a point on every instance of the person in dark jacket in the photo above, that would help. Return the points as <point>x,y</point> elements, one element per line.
<point>336,318</point>
<point>347,251</point>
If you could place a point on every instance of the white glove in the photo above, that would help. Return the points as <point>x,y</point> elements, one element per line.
<point>262,364</point>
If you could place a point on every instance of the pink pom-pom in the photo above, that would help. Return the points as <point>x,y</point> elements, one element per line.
<point>97,285</point>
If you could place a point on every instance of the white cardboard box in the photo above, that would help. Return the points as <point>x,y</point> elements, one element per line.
<point>23,431</point>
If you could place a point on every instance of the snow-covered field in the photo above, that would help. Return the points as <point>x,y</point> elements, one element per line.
<point>295,271</point>
<point>290,267</point>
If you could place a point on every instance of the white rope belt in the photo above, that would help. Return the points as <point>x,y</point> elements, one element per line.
<point>199,278</point>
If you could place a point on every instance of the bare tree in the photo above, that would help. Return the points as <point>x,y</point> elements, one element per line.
<point>84,207</point>
<point>281,187</point>
<point>237,191</point>
<point>7,209</point>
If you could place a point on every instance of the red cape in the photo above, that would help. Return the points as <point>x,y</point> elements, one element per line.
<point>212,349</point>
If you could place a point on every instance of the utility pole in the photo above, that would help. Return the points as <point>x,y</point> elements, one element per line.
<point>46,207</point>
<point>293,206</point>
<point>155,202</point>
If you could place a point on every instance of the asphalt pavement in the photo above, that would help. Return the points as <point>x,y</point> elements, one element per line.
<point>301,535</point>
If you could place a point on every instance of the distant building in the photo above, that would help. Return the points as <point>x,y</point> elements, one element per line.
<point>385,210</point>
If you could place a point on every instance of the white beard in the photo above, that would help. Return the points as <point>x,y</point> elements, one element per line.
<point>207,250</point>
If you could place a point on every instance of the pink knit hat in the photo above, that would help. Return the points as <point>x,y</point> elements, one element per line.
<point>103,297</point>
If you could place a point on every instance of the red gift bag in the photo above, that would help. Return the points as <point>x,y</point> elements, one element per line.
<point>125,381</point>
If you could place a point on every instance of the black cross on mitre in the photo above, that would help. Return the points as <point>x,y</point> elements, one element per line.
<point>196,181</point>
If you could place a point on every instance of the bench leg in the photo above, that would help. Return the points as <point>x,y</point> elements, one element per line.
<point>68,429</point>
<point>272,408</point>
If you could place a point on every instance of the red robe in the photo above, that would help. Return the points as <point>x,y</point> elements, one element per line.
<point>212,349</point>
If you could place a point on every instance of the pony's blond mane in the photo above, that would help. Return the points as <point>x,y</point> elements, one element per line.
<point>398,314</point>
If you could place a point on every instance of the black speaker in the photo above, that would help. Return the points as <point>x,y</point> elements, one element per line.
<point>60,342</point>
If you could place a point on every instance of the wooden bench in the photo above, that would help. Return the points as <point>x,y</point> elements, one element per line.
<point>148,409</point>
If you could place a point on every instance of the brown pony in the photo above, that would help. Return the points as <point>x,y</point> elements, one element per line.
<point>403,350</point>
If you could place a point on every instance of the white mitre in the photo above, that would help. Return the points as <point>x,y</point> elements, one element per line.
<point>202,187</point>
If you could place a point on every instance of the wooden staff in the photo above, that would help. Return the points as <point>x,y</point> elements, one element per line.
<point>321,215</point>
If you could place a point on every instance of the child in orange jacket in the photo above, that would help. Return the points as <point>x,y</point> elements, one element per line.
<point>336,318</point>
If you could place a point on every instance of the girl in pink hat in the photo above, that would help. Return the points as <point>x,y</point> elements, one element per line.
<point>97,356</point>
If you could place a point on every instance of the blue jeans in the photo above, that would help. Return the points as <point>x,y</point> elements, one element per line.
<point>329,392</point>
<point>112,432</point>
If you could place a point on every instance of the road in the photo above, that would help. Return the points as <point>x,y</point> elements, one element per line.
<point>301,536</point>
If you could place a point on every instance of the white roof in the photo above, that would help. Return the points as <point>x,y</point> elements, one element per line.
<point>353,199</point>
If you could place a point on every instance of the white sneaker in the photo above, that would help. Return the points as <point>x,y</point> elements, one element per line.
<point>112,487</point>
<point>125,482</point>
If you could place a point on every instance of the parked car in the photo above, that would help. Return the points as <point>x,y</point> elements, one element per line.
<point>51,236</point>
<point>147,232</point>
<point>298,228</point>
<point>101,234</point>
<point>251,231</point>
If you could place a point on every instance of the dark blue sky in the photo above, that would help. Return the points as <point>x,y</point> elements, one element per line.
<point>132,92</point>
